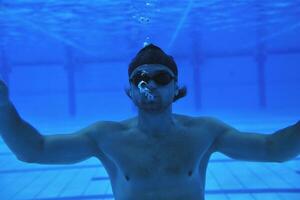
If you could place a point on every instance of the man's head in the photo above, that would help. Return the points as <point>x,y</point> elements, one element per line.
<point>152,54</point>
<point>158,73</point>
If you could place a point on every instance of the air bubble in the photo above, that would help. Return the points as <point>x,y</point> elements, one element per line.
<point>144,20</point>
<point>147,41</point>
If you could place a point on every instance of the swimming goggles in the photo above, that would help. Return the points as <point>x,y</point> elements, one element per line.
<point>160,77</point>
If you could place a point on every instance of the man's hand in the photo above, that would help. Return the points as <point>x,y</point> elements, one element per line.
<point>4,99</point>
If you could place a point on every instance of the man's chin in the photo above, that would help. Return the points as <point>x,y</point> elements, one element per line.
<point>153,111</point>
<point>152,107</point>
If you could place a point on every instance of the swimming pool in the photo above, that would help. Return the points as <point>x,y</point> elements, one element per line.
<point>66,66</point>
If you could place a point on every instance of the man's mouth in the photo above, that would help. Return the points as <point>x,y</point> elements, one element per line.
<point>149,96</point>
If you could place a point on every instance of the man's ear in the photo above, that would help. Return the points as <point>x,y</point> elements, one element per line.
<point>128,92</point>
<point>181,93</point>
<point>176,90</point>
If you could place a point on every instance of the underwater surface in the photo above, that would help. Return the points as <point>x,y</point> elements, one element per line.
<point>66,62</point>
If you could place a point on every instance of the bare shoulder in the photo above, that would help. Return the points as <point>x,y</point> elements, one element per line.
<point>217,126</point>
<point>184,119</point>
<point>211,124</point>
<point>128,123</point>
<point>204,129</point>
<point>198,120</point>
<point>104,129</point>
<point>214,122</point>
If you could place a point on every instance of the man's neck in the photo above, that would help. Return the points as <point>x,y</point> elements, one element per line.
<point>154,123</point>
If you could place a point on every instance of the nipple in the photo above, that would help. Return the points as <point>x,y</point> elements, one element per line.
<point>127,177</point>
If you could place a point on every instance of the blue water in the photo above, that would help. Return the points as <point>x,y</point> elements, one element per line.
<point>65,63</point>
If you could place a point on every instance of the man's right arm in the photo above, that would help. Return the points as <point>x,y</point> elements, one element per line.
<point>30,146</point>
<point>22,139</point>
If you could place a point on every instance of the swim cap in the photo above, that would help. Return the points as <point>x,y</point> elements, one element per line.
<point>152,54</point>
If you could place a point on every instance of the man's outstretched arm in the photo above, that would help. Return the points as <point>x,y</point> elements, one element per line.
<point>22,139</point>
<point>280,146</point>
<point>284,144</point>
<point>30,146</point>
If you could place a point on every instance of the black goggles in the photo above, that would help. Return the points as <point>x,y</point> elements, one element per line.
<point>160,78</point>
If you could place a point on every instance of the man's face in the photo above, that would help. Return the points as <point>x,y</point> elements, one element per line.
<point>163,94</point>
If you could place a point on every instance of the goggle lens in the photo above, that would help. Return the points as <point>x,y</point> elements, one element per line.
<point>160,78</point>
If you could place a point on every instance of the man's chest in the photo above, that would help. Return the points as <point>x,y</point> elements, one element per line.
<point>166,155</point>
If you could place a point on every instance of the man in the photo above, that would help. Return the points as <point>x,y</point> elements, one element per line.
<point>156,155</point>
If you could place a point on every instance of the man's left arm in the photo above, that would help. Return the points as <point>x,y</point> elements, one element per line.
<point>280,146</point>
<point>284,144</point>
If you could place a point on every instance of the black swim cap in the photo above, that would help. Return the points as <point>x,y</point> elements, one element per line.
<point>152,54</point>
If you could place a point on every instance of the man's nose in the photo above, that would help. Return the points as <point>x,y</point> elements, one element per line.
<point>151,84</point>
